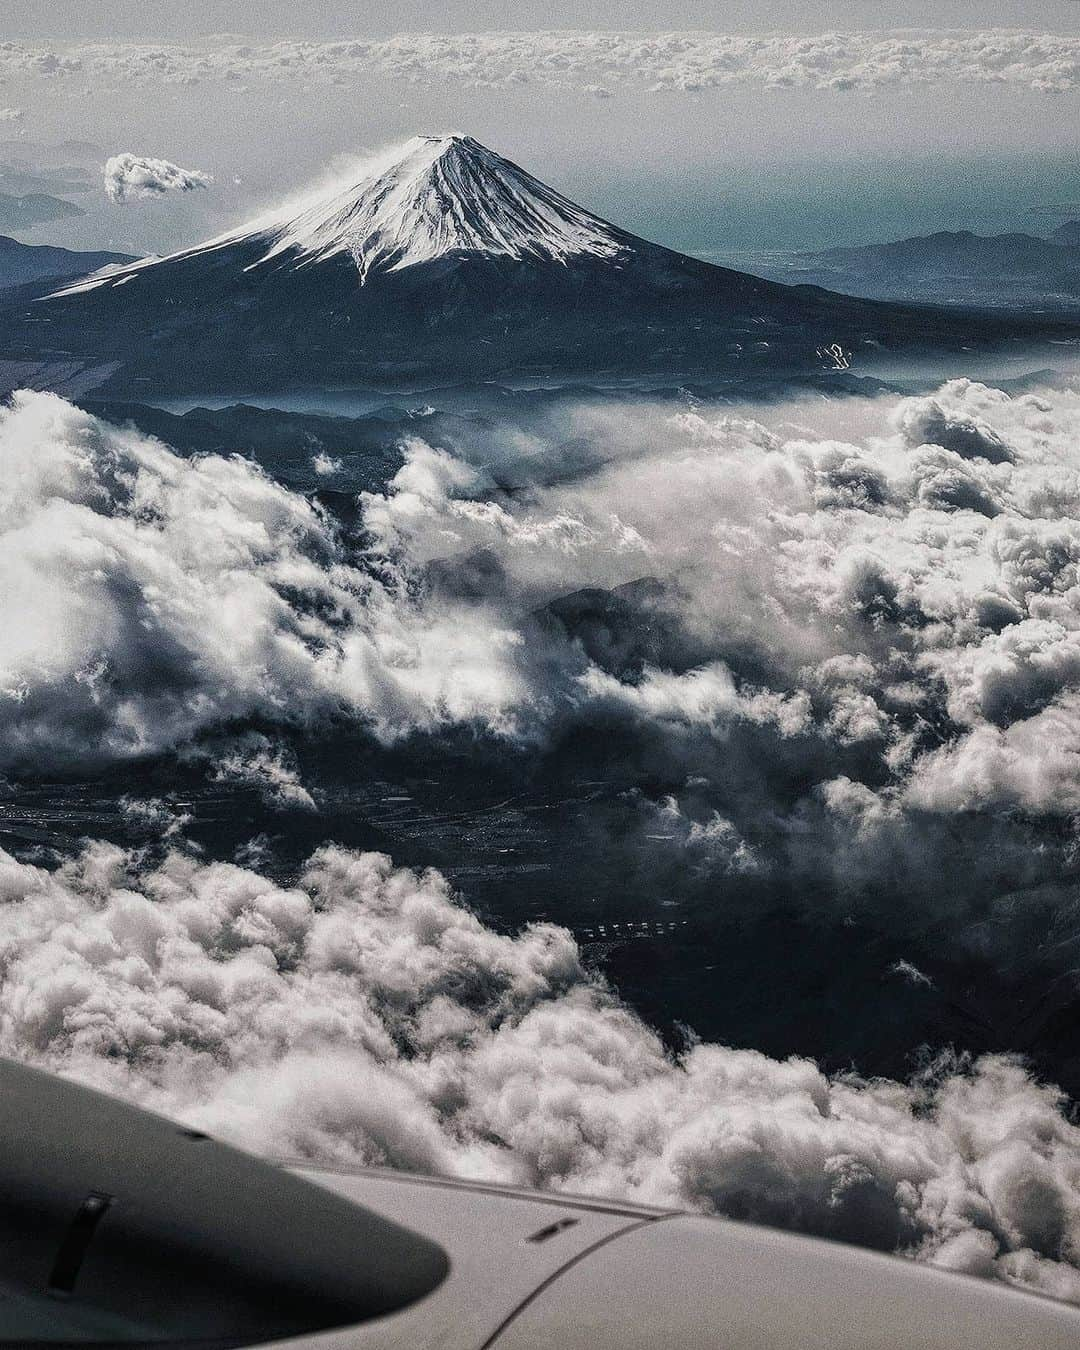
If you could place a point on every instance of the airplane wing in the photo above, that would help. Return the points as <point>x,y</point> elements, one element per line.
<point>121,1229</point>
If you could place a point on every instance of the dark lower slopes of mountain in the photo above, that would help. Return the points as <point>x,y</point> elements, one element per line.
<point>22,263</point>
<point>445,261</point>
<point>1019,271</point>
<point>36,208</point>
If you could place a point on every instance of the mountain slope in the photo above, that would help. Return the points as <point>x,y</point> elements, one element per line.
<point>443,196</point>
<point>36,208</point>
<point>442,260</point>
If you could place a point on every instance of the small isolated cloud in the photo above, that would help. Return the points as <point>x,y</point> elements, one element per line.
<point>152,813</point>
<point>254,761</point>
<point>133,177</point>
<point>325,465</point>
<point>911,973</point>
<point>11,114</point>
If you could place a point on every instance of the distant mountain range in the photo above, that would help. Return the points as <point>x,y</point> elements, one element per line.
<point>1016,271</point>
<point>21,179</point>
<point>445,261</point>
<point>56,169</point>
<point>1068,234</point>
<point>23,263</point>
<point>36,208</point>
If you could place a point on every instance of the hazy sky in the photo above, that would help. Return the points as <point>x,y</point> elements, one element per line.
<point>704,137</point>
<point>165,19</point>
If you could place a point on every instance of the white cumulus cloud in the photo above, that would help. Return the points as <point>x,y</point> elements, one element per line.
<point>133,177</point>
<point>856,659</point>
<point>363,1016</point>
<point>150,598</point>
<point>858,670</point>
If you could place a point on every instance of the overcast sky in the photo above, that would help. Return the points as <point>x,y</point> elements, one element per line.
<point>670,116</point>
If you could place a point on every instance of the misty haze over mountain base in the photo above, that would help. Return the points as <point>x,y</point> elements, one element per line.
<point>773,709</point>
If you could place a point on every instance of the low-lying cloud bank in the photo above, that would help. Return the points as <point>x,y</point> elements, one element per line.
<point>139,177</point>
<point>147,598</point>
<point>362,1016</point>
<point>600,63</point>
<point>844,627</point>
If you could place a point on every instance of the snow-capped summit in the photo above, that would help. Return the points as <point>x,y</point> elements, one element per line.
<point>440,195</point>
<point>434,196</point>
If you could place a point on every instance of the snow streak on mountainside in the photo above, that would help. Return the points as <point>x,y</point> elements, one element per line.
<point>438,195</point>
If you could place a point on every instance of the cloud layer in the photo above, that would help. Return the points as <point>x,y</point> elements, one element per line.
<point>844,640</point>
<point>362,1016</point>
<point>596,63</point>
<point>905,596</point>
<point>887,599</point>
<point>150,598</point>
<point>832,659</point>
<point>136,177</point>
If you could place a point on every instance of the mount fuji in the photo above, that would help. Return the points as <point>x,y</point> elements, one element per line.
<point>441,260</point>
